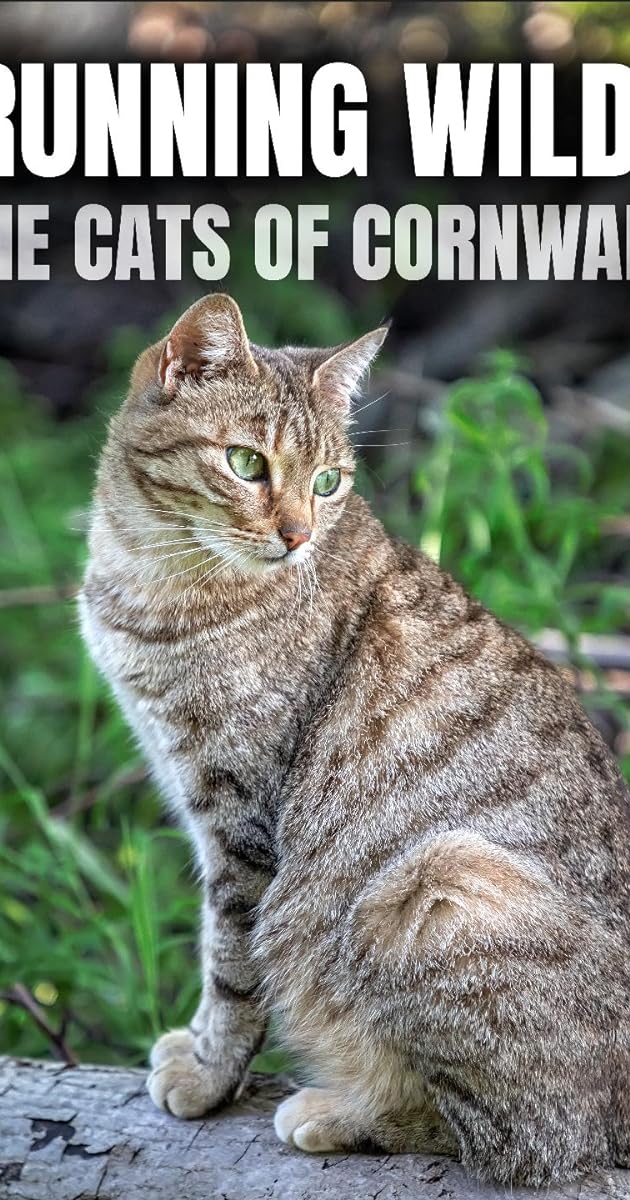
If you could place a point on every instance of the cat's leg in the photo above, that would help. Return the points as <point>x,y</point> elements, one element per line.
<point>489,986</point>
<point>201,1067</point>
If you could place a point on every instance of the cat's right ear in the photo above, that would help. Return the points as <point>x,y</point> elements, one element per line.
<point>339,374</point>
<point>210,337</point>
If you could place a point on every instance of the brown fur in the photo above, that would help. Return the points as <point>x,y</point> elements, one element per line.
<point>412,842</point>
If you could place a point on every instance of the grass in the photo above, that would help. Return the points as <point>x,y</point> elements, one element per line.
<point>97,902</point>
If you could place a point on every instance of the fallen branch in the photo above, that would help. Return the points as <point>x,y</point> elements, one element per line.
<point>23,597</point>
<point>619,526</point>
<point>608,651</point>
<point>600,663</point>
<point>93,1134</point>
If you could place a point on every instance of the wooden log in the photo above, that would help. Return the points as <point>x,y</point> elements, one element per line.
<point>91,1133</point>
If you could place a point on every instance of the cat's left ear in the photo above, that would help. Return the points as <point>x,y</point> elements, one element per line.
<point>339,375</point>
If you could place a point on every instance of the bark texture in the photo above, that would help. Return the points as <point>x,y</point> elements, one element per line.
<point>91,1133</point>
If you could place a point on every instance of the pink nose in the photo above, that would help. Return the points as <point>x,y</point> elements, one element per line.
<point>293,538</point>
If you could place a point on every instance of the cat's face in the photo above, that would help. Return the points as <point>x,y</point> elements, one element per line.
<point>247,449</point>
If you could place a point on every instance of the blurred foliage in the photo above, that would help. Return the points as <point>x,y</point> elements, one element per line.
<point>97,905</point>
<point>518,517</point>
<point>384,32</point>
<point>204,30</point>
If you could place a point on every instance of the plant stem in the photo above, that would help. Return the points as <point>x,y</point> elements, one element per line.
<point>20,996</point>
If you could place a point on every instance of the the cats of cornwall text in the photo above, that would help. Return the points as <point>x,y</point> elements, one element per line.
<point>414,847</point>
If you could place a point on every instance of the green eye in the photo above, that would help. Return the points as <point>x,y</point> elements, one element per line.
<point>327,482</point>
<point>247,464</point>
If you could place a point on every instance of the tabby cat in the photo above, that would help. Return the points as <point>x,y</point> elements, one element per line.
<point>414,847</point>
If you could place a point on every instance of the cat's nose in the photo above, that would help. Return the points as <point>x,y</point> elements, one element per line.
<point>293,538</point>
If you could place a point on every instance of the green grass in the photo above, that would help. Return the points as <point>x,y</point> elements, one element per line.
<point>97,902</point>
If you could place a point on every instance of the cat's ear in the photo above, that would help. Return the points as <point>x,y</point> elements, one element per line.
<point>338,376</point>
<point>210,337</point>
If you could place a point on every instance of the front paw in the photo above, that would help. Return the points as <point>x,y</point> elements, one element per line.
<point>310,1121</point>
<point>182,1082</point>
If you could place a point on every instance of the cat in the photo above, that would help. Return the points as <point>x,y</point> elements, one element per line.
<point>414,847</point>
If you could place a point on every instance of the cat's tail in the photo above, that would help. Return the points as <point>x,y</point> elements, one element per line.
<point>504,995</point>
<point>452,885</point>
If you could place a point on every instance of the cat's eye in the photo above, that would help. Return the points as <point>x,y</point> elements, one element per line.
<point>246,463</point>
<point>327,482</point>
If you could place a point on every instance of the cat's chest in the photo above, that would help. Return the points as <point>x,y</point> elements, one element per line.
<point>218,696</point>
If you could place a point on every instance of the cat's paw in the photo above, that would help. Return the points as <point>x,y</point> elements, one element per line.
<point>172,1045</point>
<point>309,1120</point>
<point>181,1081</point>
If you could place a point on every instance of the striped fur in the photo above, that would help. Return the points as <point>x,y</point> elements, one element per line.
<point>413,845</point>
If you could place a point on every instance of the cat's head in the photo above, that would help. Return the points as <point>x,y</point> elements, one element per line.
<point>247,446</point>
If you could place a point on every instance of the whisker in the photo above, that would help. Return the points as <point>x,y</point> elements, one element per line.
<point>202,578</point>
<point>186,571</point>
<point>178,554</point>
<point>170,512</point>
<point>368,405</point>
<point>318,588</point>
<point>161,528</point>
<point>309,576</point>
<point>232,537</point>
<point>142,571</point>
<point>302,590</point>
<point>218,569</point>
<point>147,510</point>
<point>191,535</point>
<point>329,554</point>
<point>180,541</point>
<point>297,606</point>
<point>182,528</point>
<point>388,429</point>
<point>162,545</point>
<point>373,445</point>
<point>307,580</point>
